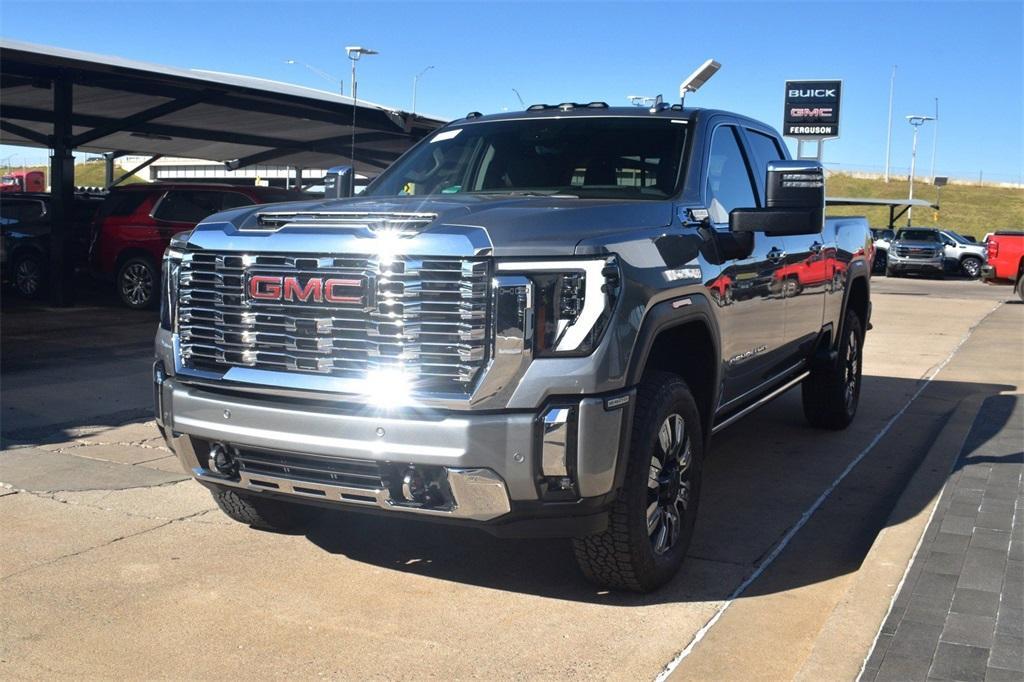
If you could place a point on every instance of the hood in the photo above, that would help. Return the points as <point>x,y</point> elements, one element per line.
<point>515,225</point>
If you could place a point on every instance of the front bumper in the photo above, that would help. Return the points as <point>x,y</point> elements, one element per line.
<point>915,264</point>
<point>497,466</point>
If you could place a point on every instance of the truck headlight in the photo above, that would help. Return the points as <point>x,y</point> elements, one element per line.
<point>169,272</point>
<point>572,302</point>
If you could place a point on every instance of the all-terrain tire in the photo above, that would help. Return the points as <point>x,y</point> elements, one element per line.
<point>626,556</point>
<point>831,392</point>
<point>261,512</point>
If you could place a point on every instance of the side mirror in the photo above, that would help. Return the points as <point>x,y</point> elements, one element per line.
<point>795,201</point>
<point>339,183</point>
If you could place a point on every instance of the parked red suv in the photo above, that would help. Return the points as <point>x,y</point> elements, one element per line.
<point>136,222</point>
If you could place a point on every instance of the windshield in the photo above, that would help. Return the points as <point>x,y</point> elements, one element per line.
<point>594,157</point>
<point>919,236</point>
<point>958,237</point>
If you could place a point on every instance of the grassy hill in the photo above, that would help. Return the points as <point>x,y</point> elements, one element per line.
<point>968,209</point>
<point>87,174</point>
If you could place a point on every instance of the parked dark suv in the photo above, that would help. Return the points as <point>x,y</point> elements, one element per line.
<point>136,222</point>
<point>25,245</point>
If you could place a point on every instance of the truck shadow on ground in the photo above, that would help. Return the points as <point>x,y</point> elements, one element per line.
<point>762,477</point>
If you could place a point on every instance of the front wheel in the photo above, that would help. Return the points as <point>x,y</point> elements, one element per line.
<point>652,519</point>
<point>890,271</point>
<point>137,282</point>
<point>971,267</point>
<point>262,512</point>
<point>881,260</point>
<point>831,392</point>
<point>29,274</point>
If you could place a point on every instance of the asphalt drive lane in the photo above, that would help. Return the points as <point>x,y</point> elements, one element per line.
<point>185,593</point>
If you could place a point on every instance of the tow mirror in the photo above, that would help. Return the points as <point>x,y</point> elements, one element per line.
<point>794,203</point>
<point>339,183</point>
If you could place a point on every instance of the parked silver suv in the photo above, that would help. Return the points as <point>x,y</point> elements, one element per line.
<point>916,249</point>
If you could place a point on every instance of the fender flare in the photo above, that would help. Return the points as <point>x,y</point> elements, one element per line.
<point>859,265</point>
<point>663,317</point>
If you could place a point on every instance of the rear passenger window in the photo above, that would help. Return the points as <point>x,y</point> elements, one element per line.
<point>234,200</point>
<point>729,182</point>
<point>189,206</point>
<point>122,203</point>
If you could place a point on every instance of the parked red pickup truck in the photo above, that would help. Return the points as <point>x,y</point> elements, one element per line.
<point>1005,261</point>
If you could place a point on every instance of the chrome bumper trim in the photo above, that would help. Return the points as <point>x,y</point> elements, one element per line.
<point>478,494</point>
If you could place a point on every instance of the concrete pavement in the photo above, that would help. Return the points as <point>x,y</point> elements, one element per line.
<point>148,581</point>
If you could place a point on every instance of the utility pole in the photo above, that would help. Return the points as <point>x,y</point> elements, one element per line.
<point>415,84</point>
<point>935,138</point>
<point>917,122</point>
<point>888,136</point>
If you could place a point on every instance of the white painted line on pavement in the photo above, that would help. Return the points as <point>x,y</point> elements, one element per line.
<point>805,517</point>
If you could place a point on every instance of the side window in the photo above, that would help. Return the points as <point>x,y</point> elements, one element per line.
<point>234,200</point>
<point>729,182</point>
<point>20,211</point>
<point>765,149</point>
<point>188,206</point>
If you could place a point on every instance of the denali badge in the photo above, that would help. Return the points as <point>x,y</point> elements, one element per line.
<point>336,290</point>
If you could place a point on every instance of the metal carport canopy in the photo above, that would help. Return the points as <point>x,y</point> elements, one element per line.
<point>68,100</point>
<point>897,207</point>
<point>119,105</point>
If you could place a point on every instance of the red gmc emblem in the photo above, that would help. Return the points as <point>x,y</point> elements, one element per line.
<point>337,290</point>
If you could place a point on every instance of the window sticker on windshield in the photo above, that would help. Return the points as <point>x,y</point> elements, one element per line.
<point>446,135</point>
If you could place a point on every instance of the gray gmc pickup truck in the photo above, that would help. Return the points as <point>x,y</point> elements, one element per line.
<point>531,323</point>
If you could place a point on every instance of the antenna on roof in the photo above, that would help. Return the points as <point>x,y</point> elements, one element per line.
<point>698,78</point>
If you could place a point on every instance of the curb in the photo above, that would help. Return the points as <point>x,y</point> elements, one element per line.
<point>848,636</point>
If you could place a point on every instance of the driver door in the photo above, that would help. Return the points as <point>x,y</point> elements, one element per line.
<point>752,313</point>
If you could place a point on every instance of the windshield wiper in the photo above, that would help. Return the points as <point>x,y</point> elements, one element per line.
<point>527,193</point>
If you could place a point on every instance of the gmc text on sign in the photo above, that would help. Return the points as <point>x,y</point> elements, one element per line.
<point>812,109</point>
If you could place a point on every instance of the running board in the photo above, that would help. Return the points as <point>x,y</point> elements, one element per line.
<point>760,402</point>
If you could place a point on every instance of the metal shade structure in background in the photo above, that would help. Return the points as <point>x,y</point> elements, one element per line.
<point>67,101</point>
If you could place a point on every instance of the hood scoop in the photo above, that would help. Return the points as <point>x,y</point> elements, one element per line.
<point>404,224</point>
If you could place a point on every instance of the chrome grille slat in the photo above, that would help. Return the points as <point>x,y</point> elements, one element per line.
<point>427,316</point>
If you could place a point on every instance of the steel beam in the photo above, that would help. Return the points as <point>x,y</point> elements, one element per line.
<point>127,122</point>
<point>62,194</point>
<point>41,139</point>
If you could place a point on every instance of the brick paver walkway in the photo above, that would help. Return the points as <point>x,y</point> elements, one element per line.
<point>960,612</point>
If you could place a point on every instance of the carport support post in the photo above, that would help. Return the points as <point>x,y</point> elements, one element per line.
<point>62,194</point>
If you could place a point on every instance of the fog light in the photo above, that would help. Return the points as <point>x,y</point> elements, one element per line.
<point>413,487</point>
<point>221,460</point>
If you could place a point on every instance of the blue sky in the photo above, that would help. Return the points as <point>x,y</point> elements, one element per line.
<point>969,54</point>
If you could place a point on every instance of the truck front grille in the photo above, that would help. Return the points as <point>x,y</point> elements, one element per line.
<point>342,316</point>
<point>914,252</point>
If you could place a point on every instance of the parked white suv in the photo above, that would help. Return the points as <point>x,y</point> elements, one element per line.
<point>962,254</point>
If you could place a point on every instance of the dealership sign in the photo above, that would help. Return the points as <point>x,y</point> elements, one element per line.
<point>812,109</point>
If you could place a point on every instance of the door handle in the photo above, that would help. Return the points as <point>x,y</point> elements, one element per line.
<point>815,247</point>
<point>776,255</point>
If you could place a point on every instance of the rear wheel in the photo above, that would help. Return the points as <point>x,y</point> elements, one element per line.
<point>652,520</point>
<point>29,274</point>
<point>831,393</point>
<point>137,281</point>
<point>971,266</point>
<point>262,512</point>
<point>1020,287</point>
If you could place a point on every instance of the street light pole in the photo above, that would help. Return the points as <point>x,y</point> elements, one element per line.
<point>888,136</point>
<point>917,122</point>
<point>354,53</point>
<point>935,138</point>
<point>415,83</point>
<point>321,73</point>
